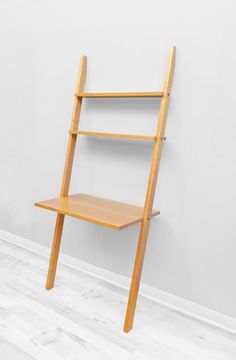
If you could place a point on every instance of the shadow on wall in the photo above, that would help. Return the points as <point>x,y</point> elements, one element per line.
<point>120,115</point>
<point>115,250</point>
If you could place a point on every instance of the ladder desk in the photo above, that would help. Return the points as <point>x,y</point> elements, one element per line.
<point>113,214</point>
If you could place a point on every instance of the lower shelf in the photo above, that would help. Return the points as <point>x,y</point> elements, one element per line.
<point>109,213</point>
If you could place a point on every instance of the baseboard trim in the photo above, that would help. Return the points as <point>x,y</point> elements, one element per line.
<point>199,312</point>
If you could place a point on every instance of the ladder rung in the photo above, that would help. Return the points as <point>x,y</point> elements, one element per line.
<point>112,135</point>
<point>122,95</point>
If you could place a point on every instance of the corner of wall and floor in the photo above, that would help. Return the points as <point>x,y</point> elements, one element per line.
<point>181,305</point>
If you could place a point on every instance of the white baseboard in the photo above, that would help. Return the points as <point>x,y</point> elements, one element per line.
<point>181,305</point>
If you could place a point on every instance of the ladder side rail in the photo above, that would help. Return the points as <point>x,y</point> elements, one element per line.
<point>144,229</point>
<point>74,127</point>
<point>67,173</point>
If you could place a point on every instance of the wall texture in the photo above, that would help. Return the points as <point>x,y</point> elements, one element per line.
<point>192,245</point>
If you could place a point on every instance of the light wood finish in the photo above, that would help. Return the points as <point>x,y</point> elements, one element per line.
<point>67,174</point>
<point>137,271</point>
<point>113,135</point>
<point>109,213</point>
<point>52,268</point>
<point>121,95</point>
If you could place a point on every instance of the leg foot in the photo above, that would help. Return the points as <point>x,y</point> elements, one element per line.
<point>137,272</point>
<point>55,252</point>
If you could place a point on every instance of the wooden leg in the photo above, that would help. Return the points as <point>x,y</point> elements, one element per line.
<point>55,251</point>
<point>137,272</point>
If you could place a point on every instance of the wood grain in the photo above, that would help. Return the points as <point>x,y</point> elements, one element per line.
<point>109,213</point>
<point>143,235</point>
<point>67,174</point>
<point>114,135</point>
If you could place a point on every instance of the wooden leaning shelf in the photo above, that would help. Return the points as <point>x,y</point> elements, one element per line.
<point>109,213</point>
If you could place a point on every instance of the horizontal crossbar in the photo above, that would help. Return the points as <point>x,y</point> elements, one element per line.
<point>121,95</point>
<point>113,135</point>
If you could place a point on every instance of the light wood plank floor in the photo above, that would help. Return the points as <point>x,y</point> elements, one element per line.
<point>82,318</point>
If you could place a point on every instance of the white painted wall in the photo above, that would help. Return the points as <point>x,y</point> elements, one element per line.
<point>192,245</point>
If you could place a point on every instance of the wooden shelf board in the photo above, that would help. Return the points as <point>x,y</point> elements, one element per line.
<point>109,213</point>
<point>122,95</point>
<point>113,135</point>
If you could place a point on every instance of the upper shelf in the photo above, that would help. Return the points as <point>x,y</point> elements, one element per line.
<point>122,95</point>
<point>113,135</point>
<point>109,213</point>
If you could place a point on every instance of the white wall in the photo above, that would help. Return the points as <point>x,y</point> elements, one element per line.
<point>192,245</point>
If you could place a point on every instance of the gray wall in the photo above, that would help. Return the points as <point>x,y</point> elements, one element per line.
<point>192,245</point>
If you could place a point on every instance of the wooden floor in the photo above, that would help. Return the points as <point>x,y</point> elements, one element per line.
<point>82,318</point>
